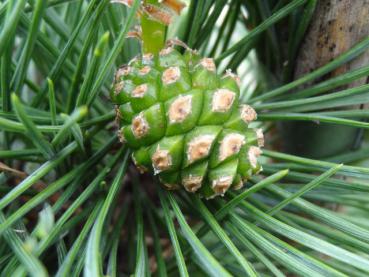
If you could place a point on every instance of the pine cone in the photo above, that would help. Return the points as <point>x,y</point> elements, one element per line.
<point>184,122</point>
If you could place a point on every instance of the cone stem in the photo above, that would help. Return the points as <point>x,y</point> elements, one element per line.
<point>153,32</point>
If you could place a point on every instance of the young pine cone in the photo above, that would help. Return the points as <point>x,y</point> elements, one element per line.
<point>184,122</point>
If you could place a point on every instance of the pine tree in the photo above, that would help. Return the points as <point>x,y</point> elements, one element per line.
<point>73,203</point>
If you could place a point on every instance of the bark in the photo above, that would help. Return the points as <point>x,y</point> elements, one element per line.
<point>337,25</point>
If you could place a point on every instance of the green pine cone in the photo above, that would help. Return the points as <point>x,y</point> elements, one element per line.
<point>184,122</point>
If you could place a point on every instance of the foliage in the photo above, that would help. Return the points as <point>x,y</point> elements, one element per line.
<point>70,204</point>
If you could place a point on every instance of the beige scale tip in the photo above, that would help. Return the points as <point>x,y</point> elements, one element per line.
<point>230,145</point>
<point>166,51</point>
<point>208,64</point>
<point>222,184</point>
<point>192,183</point>
<point>170,186</point>
<point>199,147</point>
<point>145,70</point>
<point>121,137</point>
<point>171,75</point>
<point>248,114</point>
<point>253,154</point>
<point>140,127</point>
<point>180,109</point>
<point>161,160</point>
<point>118,114</point>
<point>147,57</point>
<point>139,91</point>
<point>118,87</point>
<point>122,71</point>
<point>260,137</point>
<point>235,77</point>
<point>222,100</point>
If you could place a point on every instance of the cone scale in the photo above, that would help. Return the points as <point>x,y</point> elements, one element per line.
<point>184,122</point>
